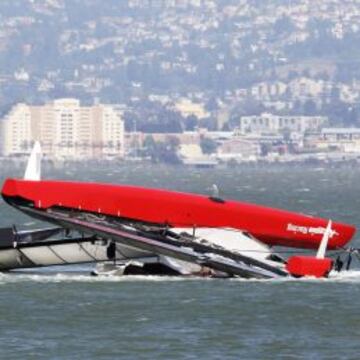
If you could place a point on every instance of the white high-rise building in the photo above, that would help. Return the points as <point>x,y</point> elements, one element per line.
<point>112,132</point>
<point>68,122</point>
<point>65,129</point>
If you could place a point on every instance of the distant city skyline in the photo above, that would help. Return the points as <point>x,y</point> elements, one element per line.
<point>170,68</point>
<point>290,57</point>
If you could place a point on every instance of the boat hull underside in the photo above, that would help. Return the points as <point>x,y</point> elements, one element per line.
<point>165,208</point>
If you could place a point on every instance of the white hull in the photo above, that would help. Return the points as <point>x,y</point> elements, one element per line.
<point>65,254</point>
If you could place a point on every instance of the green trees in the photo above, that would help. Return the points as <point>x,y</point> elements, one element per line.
<point>208,146</point>
<point>162,151</point>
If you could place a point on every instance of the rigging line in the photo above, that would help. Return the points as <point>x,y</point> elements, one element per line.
<point>258,251</point>
<point>284,251</point>
<point>86,252</point>
<point>26,257</point>
<point>121,253</point>
<point>57,255</point>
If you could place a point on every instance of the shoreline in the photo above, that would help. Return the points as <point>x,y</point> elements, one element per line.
<point>285,161</point>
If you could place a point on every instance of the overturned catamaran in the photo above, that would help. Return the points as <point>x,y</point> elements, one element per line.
<point>151,231</point>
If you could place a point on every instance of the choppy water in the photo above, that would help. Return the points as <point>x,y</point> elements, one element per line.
<point>66,314</point>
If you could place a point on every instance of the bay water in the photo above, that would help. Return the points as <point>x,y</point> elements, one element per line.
<point>64,313</point>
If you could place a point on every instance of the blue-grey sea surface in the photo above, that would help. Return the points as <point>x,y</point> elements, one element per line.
<point>64,313</point>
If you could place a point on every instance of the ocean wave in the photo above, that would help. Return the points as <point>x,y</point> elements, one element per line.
<point>352,276</point>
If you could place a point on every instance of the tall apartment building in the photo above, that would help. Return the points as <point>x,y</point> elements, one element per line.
<point>65,129</point>
<point>15,131</point>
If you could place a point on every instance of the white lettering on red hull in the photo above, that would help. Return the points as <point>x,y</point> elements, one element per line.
<point>306,230</point>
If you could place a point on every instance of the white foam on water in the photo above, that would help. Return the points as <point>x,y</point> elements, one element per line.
<point>67,277</point>
<point>303,190</point>
<point>345,276</point>
<point>352,276</point>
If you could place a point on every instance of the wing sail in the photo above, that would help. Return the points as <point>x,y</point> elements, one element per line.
<point>201,254</point>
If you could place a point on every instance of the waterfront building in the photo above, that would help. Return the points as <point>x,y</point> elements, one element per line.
<point>269,123</point>
<point>339,139</point>
<point>239,149</point>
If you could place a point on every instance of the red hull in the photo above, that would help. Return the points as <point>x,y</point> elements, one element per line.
<point>299,266</point>
<point>272,226</point>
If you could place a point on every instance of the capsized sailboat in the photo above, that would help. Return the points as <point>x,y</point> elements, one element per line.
<point>150,231</point>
